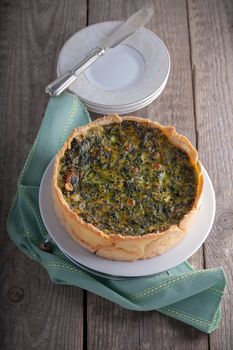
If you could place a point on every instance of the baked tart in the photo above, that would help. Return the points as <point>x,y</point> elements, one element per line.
<point>127,188</point>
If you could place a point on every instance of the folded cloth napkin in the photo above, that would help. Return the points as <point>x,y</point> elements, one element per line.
<point>183,293</point>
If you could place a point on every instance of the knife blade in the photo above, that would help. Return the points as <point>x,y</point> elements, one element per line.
<point>126,29</point>
<point>133,23</point>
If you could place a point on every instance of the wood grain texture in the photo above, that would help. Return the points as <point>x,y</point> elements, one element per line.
<point>34,313</point>
<point>211,27</point>
<point>109,326</point>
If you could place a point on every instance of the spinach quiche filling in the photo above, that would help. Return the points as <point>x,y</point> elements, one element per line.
<point>127,178</point>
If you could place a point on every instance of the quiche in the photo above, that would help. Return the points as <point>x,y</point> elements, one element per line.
<point>127,188</point>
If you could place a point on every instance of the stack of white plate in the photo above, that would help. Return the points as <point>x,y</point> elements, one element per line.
<point>126,78</point>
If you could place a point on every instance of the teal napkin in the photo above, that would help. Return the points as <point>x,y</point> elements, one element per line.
<point>183,293</point>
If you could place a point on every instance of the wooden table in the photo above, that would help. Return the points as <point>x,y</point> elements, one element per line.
<point>198,100</point>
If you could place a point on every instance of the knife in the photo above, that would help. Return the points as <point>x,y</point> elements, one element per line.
<point>133,23</point>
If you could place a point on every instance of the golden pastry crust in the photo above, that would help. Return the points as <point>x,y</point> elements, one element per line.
<point>117,246</point>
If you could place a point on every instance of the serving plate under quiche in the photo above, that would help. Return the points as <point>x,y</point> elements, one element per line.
<point>127,188</point>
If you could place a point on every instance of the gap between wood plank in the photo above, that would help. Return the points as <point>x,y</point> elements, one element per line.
<point>87,15</point>
<point>193,77</point>
<point>84,320</point>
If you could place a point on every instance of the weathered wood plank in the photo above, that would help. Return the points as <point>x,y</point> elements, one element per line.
<point>34,313</point>
<point>108,326</point>
<point>212,56</point>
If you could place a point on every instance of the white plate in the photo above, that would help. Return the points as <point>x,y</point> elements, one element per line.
<point>125,77</point>
<point>189,245</point>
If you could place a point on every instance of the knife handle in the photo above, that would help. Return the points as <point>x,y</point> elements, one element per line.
<point>63,82</point>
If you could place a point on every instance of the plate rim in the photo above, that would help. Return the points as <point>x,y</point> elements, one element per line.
<point>140,103</point>
<point>108,110</point>
<point>128,110</point>
<point>102,274</point>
